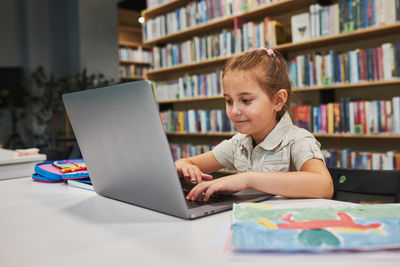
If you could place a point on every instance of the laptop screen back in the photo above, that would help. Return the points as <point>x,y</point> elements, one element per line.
<point>119,131</point>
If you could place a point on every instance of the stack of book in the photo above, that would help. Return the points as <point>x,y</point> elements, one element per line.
<point>18,163</point>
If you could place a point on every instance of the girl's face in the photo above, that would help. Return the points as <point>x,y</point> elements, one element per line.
<point>248,106</point>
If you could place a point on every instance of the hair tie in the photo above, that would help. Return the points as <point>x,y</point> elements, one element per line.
<point>269,51</point>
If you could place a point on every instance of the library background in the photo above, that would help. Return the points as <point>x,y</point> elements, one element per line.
<point>343,58</point>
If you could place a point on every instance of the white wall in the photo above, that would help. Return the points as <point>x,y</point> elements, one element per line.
<point>98,32</point>
<point>10,44</point>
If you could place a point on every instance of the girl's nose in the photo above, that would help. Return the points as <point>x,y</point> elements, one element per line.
<point>236,109</point>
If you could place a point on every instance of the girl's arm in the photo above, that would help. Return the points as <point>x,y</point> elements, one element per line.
<point>312,181</point>
<point>197,167</point>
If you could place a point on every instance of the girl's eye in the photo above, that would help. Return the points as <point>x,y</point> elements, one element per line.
<point>247,101</point>
<point>228,101</point>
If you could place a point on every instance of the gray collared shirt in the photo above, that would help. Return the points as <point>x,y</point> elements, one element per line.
<point>286,148</point>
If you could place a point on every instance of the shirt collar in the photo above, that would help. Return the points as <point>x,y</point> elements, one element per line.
<point>275,137</point>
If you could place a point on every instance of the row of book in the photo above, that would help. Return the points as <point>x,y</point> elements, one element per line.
<point>193,121</point>
<point>243,37</point>
<point>194,50</point>
<point>132,70</point>
<point>372,64</point>
<point>348,158</point>
<point>343,17</point>
<point>180,151</point>
<point>196,13</point>
<point>138,55</point>
<point>356,117</point>
<point>189,86</point>
<point>334,158</point>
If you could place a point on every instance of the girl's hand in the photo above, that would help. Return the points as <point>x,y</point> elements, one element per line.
<point>232,183</point>
<point>191,171</point>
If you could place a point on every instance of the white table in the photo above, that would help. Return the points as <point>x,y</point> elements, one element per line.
<point>56,225</point>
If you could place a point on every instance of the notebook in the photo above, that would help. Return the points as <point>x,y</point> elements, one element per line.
<point>119,132</point>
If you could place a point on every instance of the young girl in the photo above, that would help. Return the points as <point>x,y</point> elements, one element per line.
<point>269,152</point>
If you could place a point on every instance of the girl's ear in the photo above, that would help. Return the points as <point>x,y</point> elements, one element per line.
<point>280,99</point>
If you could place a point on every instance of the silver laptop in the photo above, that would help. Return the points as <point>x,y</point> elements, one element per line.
<point>121,138</point>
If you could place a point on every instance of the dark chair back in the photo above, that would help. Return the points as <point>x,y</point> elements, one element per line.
<point>366,185</point>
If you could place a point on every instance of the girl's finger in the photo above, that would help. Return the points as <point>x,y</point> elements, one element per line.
<point>206,176</point>
<point>197,190</point>
<point>192,175</point>
<point>210,190</point>
<point>198,176</point>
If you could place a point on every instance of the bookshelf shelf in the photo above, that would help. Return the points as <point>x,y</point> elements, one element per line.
<point>127,62</point>
<point>197,99</point>
<point>373,32</point>
<point>133,45</point>
<point>156,73</point>
<point>349,85</point>
<point>352,136</point>
<point>273,9</point>
<point>162,9</point>
<point>130,29</point>
<point>211,134</point>
<point>377,84</point>
<point>317,135</point>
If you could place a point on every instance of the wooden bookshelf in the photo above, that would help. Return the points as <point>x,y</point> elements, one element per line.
<point>370,37</point>
<point>134,45</point>
<point>130,35</point>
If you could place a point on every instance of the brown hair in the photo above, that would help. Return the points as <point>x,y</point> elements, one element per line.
<point>269,70</point>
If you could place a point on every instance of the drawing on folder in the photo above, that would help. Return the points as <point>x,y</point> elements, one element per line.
<point>257,227</point>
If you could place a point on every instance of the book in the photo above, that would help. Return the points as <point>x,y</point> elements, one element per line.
<point>301,27</point>
<point>302,117</point>
<point>13,165</point>
<point>83,184</point>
